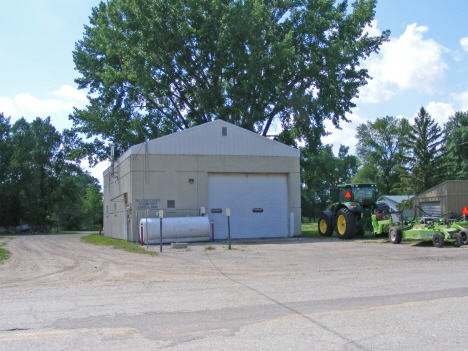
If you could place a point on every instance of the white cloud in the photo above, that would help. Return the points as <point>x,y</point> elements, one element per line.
<point>28,102</point>
<point>346,136</point>
<point>372,29</point>
<point>7,106</point>
<point>72,93</point>
<point>440,111</point>
<point>462,100</point>
<point>464,43</point>
<point>404,63</point>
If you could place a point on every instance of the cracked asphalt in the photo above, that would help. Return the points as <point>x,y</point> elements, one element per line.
<point>57,293</point>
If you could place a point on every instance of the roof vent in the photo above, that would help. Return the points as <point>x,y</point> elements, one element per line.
<point>224,131</point>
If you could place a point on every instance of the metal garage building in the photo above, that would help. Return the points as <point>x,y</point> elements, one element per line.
<point>214,166</point>
<point>394,200</point>
<point>449,196</point>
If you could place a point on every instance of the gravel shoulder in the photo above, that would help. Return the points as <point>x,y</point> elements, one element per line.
<point>59,293</point>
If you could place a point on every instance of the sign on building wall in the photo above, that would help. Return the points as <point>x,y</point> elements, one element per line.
<point>147,204</point>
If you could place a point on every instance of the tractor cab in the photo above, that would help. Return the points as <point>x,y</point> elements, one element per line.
<point>363,194</point>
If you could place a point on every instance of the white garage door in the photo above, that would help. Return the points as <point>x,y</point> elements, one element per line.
<point>258,204</point>
<point>432,208</point>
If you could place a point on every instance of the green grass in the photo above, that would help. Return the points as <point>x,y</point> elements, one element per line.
<point>210,247</point>
<point>310,230</point>
<point>100,240</point>
<point>4,254</point>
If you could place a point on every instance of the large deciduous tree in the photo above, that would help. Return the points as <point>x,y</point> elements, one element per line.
<point>155,66</point>
<point>37,182</point>
<point>381,147</point>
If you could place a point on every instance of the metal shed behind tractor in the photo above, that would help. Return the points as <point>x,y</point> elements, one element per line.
<point>394,200</point>
<point>449,196</point>
<point>213,166</point>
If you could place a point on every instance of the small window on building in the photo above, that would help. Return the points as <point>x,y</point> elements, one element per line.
<point>107,209</point>
<point>257,210</point>
<point>170,203</point>
<point>115,207</point>
<point>216,210</point>
<point>224,131</point>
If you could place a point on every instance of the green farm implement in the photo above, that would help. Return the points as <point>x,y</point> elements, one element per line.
<point>439,230</point>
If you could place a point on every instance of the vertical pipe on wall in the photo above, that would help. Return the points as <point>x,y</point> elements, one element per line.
<point>212,231</point>
<point>126,222</point>
<point>146,161</point>
<point>291,224</point>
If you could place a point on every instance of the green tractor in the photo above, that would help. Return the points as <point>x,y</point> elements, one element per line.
<point>352,214</point>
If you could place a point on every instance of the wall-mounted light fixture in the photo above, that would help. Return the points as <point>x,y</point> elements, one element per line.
<point>190,181</point>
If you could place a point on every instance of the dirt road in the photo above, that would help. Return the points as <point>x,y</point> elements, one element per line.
<point>59,293</point>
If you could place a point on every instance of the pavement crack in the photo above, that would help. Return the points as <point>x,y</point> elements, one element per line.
<point>313,321</point>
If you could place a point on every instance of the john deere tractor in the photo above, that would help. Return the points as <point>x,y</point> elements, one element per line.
<point>352,214</point>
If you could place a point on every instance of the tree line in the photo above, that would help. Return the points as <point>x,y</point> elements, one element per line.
<point>39,184</point>
<point>401,157</point>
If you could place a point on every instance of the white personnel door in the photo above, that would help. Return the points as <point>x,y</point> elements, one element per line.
<point>258,204</point>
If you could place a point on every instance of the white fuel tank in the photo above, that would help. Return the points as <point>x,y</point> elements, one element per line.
<point>174,229</point>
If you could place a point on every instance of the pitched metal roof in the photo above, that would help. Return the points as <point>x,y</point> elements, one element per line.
<point>208,139</point>
<point>396,198</point>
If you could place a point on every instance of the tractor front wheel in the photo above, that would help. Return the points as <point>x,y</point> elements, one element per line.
<point>438,240</point>
<point>458,240</point>
<point>325,227</point>
<point>464,235</point>
<point>345,224</point>
<point>395,235</point>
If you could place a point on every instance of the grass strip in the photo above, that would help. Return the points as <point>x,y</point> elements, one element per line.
<point>310,230</point>
<point>4,254</point>
<point>100,240</point>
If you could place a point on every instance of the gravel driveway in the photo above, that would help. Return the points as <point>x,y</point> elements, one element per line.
<point>57,293</point>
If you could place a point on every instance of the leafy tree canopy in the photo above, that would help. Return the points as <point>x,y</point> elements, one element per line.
<point>381,148</point>
<point>37,182</point>
<point>154,67</point>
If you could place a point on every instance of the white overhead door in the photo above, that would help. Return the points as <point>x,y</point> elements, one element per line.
<point>431,208</point>
<point>258,204</point>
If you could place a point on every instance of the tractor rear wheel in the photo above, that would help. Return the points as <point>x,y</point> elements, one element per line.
<point>464,235</point>
<point>458,240</point>
<point>325,227</point>
<point>345,224</point>
<point>438,240</point>
<point>395,235</point>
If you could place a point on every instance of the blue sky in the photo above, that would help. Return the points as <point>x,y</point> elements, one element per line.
<point>424,64</point>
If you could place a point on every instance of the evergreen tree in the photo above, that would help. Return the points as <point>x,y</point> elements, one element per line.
<point>425,164</point>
